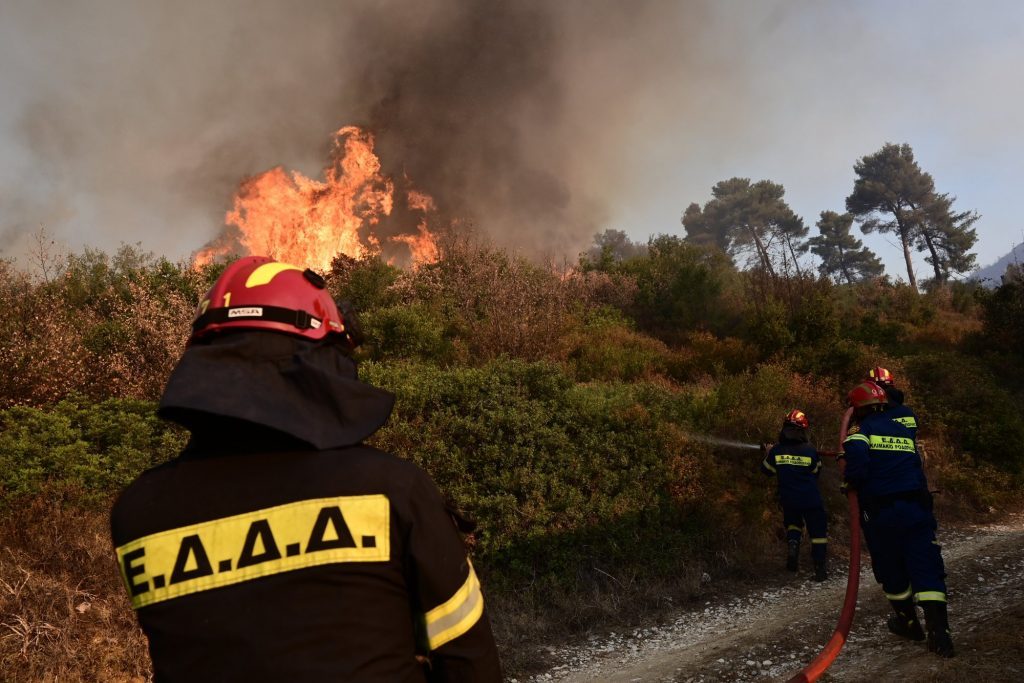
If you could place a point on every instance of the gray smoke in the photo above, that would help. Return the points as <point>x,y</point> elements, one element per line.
<point>539,121</point>
<point>144,118</point>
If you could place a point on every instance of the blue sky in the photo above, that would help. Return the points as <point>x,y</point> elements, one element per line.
<point>120,124</point>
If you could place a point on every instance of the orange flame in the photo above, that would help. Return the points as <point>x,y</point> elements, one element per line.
<point>296,219</point>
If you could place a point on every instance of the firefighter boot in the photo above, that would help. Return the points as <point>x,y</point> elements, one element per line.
<point>939,640</point>
<point>904,623</point>
<point>793,554</point>
<point>821,570</point>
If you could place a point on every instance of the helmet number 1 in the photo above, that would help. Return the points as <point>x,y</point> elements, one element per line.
<point>227,300</point>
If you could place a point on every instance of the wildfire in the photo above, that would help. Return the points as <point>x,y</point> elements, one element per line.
<point>296,219</point>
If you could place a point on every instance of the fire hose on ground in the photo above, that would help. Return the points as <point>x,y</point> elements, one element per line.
<point>828,654</point>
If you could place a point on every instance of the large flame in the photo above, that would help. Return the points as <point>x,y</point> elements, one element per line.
<point>296,219</point>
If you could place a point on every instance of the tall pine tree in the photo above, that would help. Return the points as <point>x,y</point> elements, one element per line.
<point>893,195</point>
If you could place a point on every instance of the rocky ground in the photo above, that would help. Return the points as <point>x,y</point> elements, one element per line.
<point>769,633</point>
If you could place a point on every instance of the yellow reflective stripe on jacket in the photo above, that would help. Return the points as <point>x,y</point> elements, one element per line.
<point>820,541</point>
<point>930,596</point>
<point>248,546</point>
<point>768,465</point>
<point>794,527</point>
<point>892,443</point>
<point>900,596</point>
<point>786,459</point>
<point>908,422</point>
<point>457,615</point>
<point>857,437</point>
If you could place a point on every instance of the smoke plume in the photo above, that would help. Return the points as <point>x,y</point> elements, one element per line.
<point>149,117</point>
<point>538,121</point>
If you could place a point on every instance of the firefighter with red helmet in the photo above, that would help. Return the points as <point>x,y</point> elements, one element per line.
<point>795,463</point>
<point>896,408</point>
<point>277,546</point>
<point>883,466</point>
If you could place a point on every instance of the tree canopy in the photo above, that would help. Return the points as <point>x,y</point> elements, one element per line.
<point>948,238</point>
<point>893,195</point>
<point>612,246</point>
<point>750,218</point>
<point>843,256</point>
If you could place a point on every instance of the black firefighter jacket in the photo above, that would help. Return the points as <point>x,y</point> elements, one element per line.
<point>258,556</point>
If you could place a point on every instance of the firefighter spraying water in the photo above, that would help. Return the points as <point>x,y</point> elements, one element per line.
<point>796,465</point>
<point>889,497</point>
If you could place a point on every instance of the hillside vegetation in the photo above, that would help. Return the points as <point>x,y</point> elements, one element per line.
<point>558,407</point>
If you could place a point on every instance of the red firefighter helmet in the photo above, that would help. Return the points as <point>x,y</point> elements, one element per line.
<point>866,394</point>
<point>259,293</point>
<point>797,418</point>
<point>880,376</point>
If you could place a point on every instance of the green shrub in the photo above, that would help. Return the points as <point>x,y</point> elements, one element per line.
<point>1004,317</point>
<point>414,332</point>
<point>679,287</point>
<point>368,283</point>
<point>703,356</point>
<point>606,348</point>
<point>90,450</point>
<point>769,328</point>
<point>536,457</point>
<point>981,414</point>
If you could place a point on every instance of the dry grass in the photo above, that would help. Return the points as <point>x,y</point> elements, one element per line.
<point>63,613</point>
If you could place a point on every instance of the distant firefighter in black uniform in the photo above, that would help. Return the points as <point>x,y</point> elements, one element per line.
<point>277,547</point>
<point>796,464</point>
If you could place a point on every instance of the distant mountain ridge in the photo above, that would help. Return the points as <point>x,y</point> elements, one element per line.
<point>991,276</point>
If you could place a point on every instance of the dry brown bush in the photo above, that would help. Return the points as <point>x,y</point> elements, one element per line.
<point>120,341</point>
<point>506,305</point>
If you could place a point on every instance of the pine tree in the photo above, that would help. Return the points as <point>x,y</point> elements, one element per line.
<point>843,256</point>
<point>749,218</point>
<point>948,237</point>
<point>893,195</point>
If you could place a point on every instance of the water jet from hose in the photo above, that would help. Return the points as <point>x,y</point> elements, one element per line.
<point>729,443</point>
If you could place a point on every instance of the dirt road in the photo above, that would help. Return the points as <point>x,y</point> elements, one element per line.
<point>767,635</point>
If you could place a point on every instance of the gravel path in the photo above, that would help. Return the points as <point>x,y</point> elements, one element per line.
<point>768,635</point>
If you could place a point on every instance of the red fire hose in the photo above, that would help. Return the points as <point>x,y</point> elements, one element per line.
<point>828,654</point>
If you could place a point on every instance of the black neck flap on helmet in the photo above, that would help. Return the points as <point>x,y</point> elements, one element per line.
<point>304,389</point>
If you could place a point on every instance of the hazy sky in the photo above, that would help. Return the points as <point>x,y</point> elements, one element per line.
<point>134,122</point>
